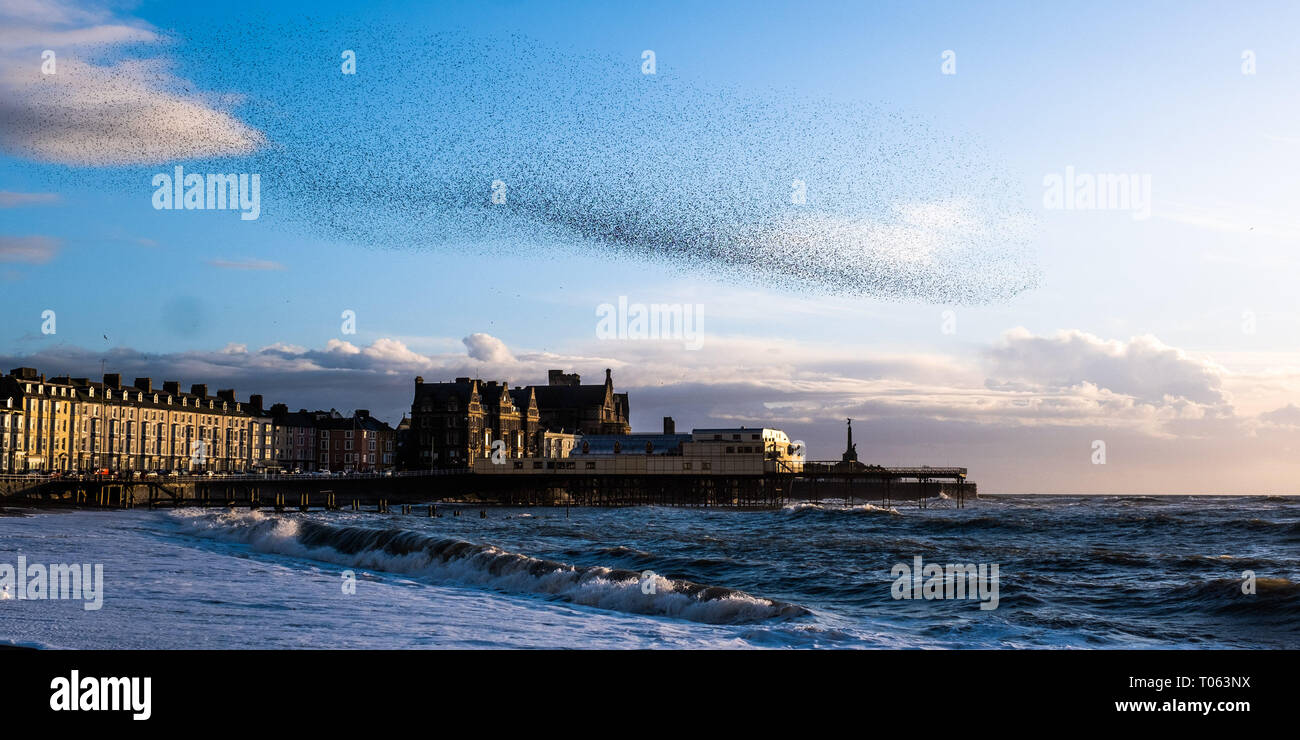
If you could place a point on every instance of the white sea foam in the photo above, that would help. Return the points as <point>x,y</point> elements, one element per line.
<point>446,560</point>
<point>807,506</point>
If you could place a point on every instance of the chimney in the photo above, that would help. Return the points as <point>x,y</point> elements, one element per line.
<point>419,380</point>
<point>172,386</point>
<point>255,401</point>
<point>363,413</point>
<point>112,380</point>
<point>559,377</point>
<point>279,409</point>
<point>144,384</point>
<point>670,427</point>
<point>199,389</point>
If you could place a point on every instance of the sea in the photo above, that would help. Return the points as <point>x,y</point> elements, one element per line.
<point>1101,572</point>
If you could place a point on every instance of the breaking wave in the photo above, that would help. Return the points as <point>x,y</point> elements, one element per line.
<point>457,561</point>
<point>805,507</point>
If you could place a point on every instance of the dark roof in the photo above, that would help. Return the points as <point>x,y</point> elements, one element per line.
<point>440,393</point>
<point>630,444</point>
<point>334,420</point>
<point>569,396</point>
<point>522,397</point>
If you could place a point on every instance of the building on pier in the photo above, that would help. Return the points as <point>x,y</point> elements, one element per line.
<point>738,451</point>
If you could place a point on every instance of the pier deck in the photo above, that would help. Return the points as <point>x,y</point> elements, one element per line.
<point>559,485</point>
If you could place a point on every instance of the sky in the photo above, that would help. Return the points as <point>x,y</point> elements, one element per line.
<point>926,285</point>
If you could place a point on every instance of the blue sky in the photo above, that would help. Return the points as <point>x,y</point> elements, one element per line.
<point>1157,90</point>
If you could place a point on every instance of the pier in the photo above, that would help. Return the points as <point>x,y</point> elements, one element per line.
<point>556,482</point>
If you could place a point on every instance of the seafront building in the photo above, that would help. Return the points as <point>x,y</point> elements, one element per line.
<point>741,450</point>
<point>456,424</point>
<point>75,425</point>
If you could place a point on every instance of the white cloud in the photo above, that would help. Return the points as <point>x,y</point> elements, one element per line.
<point>1143,367</point>
<point>1021,414</point>
<point>487,348</point>
<point>128,111</point>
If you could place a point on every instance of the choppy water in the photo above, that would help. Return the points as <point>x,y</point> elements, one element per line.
<point>1130,571</point>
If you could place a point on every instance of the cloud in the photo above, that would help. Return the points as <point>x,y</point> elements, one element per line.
<point>1033,433</point>
<point>10,199</point>
<point>1287,416</point>
<point>33,250</point>
<point>127,111</point>
<point>1143,368</point>
<point>487,348</point>
<point>250,264</point>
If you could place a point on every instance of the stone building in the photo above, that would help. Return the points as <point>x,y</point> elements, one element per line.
<point>454,424</point>
<point>568,406</point>
<point>446,424</point>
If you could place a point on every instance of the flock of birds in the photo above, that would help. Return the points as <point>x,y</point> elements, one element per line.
<point>455,141</point>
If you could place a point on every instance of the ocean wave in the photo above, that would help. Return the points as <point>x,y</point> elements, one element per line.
<point>1277,599</point>
<point>457,561</point>
<point>804,507</point>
